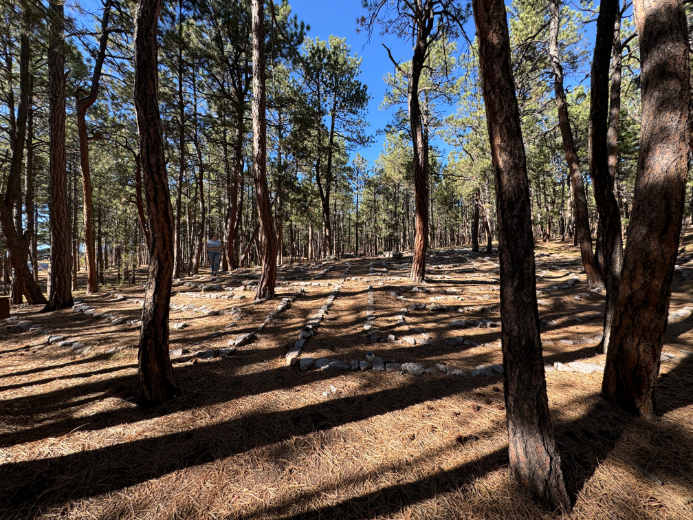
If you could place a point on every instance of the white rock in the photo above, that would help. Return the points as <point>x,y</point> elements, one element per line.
<point>442,368</point>
<point>586,368</point>
<point>560,367</point>
<point>292,356</point>
<point>413,368</point>
<point>241,340</point>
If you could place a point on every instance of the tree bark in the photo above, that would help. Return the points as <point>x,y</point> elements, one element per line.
<point>420,146</point>
<point>640,317</point>
<point>82,106</point>
<point>475,227</point>
<point>18,243</point>
<point>233,217</point>
<point>615,100</point>
<point>140,204</point>
<point>487,226</point>
<point>582,224</point>
<point>265,287</point>
<point>156,383</point>
<point>178,249</point>
<point>60,295</point>
<point>534,459</point>
<point>200,182</point>
<point>607,207</point>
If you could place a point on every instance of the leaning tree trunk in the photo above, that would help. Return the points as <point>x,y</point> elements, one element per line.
<point>17,243</point>
<point>582,223</point>
<point>534,460</point>
<point>640,317</point>
<point>609,214</point>
<point>265,287</point>
<point>83,105</point>
<point>155,371</point>
<point>60,295</point>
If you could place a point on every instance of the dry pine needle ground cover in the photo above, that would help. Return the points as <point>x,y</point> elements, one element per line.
<point>253,438</point>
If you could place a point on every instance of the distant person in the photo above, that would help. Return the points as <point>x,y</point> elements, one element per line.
<point>213,248</point>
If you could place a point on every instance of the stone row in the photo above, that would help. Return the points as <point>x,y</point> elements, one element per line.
<point>308,330</point>
<point>370,310</point>
<point>378,364</point>
<point>214,296</point>
<point>247,337</point>
<point>323,272</point>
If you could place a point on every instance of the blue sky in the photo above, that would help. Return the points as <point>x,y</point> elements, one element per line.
<point>339,19</point>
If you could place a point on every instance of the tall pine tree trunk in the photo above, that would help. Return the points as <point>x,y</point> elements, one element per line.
<point>418,268</point>
<point>534,459</point>
<point>582,224</point>
<point>155,371</point>
<point>642,308</point>
<point>60,295</point>
<point>178,246</point>
<point>615,100</point>
<point>83,105</point>
<point>265,287</point>
<point>609,214</point>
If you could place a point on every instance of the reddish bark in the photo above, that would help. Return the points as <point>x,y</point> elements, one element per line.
<point>60,276</point>
<point>582,224</point>
<point>609,214</point>
<point>534,460</point>
<point>642,308</point>
<point>265,287</point>
<point>155,371</point>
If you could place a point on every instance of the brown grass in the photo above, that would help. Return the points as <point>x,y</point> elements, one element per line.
<point>253,438</point>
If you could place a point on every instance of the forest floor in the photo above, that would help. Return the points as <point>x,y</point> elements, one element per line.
<point>252,437</point>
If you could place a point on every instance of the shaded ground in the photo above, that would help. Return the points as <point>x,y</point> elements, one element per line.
<point>253,438</point>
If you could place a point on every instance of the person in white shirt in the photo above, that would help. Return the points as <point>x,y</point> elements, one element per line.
<point>213,249</point>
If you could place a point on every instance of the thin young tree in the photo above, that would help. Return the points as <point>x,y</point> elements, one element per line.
<point>607,207</point>
<point>265,287</point>
<point>422,21</point>
<point>60,294</point>
<point>18,242</point>
<point>582,223</point>
<point>155,370</point>
<point>534,459</point>
<point>642,307</point>
<point>82,105</point>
